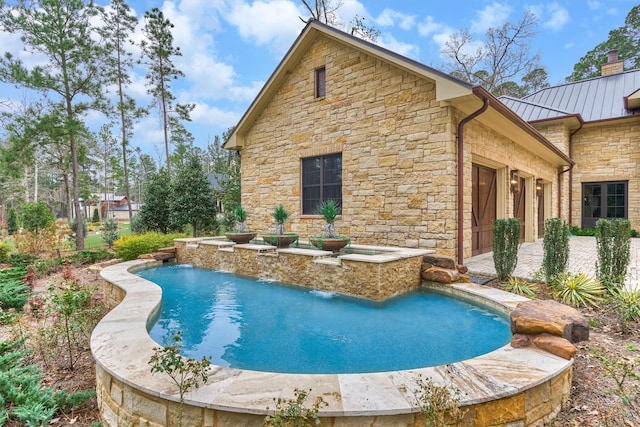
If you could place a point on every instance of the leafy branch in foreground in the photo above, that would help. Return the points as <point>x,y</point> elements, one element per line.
<point>440,405</point>
<point>294,413</point>
<point>184,373</point>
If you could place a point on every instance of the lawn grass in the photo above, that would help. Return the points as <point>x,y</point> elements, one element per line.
<point>94,241</point>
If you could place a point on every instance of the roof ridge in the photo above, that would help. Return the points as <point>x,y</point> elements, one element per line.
<point>535,104</point>
<point>635,70</point>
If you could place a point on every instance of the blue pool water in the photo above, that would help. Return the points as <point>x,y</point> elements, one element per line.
<point>266,326</point>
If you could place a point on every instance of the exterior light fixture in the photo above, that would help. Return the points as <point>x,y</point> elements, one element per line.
<point>514,181</point>
<point>539,187</point>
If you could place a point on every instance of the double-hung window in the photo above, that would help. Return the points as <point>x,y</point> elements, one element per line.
<point>321,181</point>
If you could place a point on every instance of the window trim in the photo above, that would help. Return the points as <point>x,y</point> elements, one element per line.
<point>322,183</point>
<point>320,82</point>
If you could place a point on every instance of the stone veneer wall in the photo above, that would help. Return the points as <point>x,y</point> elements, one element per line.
<point>398,150</point>
<point>395,138</point>
<point>308,267</point>
<point>608,152</point>
<point>515,387</point>
<point>123,405</point>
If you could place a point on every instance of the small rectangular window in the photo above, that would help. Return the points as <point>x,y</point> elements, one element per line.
<point>321,84</point>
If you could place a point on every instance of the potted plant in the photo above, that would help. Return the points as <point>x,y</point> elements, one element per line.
<point>241,234</point>
<point>280,238</point>
<point>329,209</point>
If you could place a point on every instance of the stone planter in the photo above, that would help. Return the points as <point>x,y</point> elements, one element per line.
<point>241,238</point>
<point>333,244</point>
<point>280,240</point>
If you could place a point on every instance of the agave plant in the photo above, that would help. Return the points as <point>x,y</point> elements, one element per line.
<point>521,287</point>
<point>627,303</point>
<point>329,209</point>
<point>578,290</point>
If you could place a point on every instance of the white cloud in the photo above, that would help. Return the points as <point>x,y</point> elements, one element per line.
<point>267,23</point>
<point>212,116</point>
<point>593,4</point>
<point>559,17</point>
<point>405,49</point>
<point>491,16</point>
<point>389,18</point>
<point>439,33</point>
<point>569,45</point>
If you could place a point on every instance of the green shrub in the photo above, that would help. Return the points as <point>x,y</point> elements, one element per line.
<point>635,233</point>
<point>89,257</point>
<point>5,250</point>
<point>556,248</point>
<point>578,290</point>
<point>47,266</point>
<point>613,242</point>
<point>22,260</point>
<point>506,240</point>
<point>13,294</point>
<point>132,246</point>
<point>96,216</point>
<point>109,231</point>
<point>577,231</point>
<point>13,273</point>
<point>138,225</point>
<point>12,221</point>
<point>627,303</point>
<point>23,395</point>
<point>521,287</point>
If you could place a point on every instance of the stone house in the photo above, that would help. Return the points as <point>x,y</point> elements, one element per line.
<point>597,122</point>
<point>416,157</point>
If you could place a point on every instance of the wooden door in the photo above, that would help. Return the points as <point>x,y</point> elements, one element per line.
<point>483,209</point>
<point>519,203</point>
<point>541,213</point>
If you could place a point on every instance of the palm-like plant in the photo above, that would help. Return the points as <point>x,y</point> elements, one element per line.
<point>280,215</point>
<point>241,218</point>
<point>329,209</point>
<point>578,290</point>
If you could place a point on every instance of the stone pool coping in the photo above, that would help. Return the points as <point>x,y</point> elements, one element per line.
<point>122,348</point>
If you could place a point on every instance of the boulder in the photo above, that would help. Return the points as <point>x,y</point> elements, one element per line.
<point>548,316</point>
<point>555,345</point>
<point>520,341</point>
<point>441,261</point>
<point>463,269</point>
<point>441,275</point>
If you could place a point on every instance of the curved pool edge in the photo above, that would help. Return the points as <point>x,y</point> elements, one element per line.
<point>503,386</point>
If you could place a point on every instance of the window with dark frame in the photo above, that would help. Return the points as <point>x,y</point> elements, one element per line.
<point>608,200</point>
<point>321,181</point>
<point>321,84</point>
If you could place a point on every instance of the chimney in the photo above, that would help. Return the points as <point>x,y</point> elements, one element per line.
<point>613,66</point>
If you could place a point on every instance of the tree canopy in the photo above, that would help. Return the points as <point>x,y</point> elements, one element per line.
<point>625,39</point>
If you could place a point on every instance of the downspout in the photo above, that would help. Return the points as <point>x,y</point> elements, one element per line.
<point>570,170</point>
<point>460,138</point>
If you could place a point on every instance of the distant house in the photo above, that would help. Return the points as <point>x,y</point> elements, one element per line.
<point>110,205</point>
<point>596,121</point>
<point>416,157</point>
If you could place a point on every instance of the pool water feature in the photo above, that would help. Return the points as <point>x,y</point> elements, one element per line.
<point>246,323</point>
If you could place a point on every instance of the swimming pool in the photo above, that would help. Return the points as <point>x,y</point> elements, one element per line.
<point>266,326</point>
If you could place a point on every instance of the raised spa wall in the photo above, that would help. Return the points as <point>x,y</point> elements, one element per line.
<point>515,387</point>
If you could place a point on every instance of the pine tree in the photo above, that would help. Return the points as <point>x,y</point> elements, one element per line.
<point>62,34</point>
<point>157,51</point>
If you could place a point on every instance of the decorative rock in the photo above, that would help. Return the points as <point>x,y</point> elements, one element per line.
<point>555,345</point>
<point>465,278</point>
<point>520,341</point>
<point>440,275</point>
<point>548,316</point>
<point>441,261</point>
<point>463,269</point>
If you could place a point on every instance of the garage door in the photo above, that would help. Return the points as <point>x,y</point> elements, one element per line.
<point>483,210</point>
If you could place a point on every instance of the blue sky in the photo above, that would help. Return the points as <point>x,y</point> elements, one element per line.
<point>230,47</point>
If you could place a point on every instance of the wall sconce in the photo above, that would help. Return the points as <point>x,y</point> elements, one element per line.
<point>539,187</point>
<point>514,181</point>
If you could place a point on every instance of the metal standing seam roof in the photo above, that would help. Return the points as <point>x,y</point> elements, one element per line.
<point>532,112</point>
<point>600,98</point>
